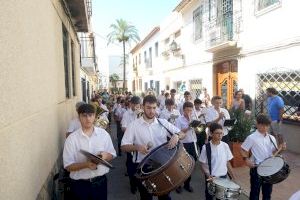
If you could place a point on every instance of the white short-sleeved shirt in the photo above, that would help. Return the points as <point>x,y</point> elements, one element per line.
<point>212,114</point>
<point>165,113</point>
<point>74,125</point>
<point>99,141</point>
<point>220,155</point>
<point>128,117</point>
<point>182,123</point>
<point>260,146</point>
<point>140,132</point>
<point>119,112</point>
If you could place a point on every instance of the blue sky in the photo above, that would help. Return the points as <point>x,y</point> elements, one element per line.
<point>143,14</point>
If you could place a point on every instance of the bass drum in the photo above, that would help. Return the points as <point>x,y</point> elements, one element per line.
<point>164,169</point>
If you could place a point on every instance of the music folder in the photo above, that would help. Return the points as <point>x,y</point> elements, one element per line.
<point>96,159</point>
<point>229,122</point>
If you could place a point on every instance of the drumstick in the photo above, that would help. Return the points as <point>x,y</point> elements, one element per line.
<point>277,152</point>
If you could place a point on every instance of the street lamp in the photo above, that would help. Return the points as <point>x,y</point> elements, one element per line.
<point>173,46</point>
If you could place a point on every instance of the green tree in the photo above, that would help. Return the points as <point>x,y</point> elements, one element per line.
<point>123,32</point>
<point>113,79</point>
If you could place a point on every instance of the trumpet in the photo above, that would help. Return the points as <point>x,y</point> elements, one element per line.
<point>198,126</point>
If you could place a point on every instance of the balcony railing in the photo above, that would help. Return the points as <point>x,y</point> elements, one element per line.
<point>222,31</point>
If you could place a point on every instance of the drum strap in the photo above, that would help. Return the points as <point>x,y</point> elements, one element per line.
<point>208,154</point>
<point>166,129</point>
<point>273,143</point>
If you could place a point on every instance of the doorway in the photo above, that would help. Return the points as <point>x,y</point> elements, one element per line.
<point>226,76</point>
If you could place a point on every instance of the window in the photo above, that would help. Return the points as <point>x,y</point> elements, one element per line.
<point>140,58</point>
<point>212,9</point>
<point>197,21</point>
<point>167,41</point>
<point>156,49</point>
<point>145,56</point>
<point>73,70</point>
<point>262,4</point>
<point>66,61</point>
<point>177,34</point>
<point>149,64</point>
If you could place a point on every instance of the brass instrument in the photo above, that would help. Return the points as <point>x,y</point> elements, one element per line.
<point>173,118</point>
<point>139,113</point>
<point>101,122</point>
<point>198,126</point>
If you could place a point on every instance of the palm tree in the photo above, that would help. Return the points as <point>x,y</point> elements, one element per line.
<point>123,32</point>
<point>113,79</point>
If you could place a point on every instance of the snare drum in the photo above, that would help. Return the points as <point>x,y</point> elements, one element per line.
<point>273,170</point>
<point>164,169</point>
<point>223,188</point>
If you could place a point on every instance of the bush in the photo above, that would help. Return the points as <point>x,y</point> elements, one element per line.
<point>242,127</point>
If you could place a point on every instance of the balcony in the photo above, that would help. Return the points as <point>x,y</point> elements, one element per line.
<point>87,51</point>
<point>80,12</point>
<point>222,33</point>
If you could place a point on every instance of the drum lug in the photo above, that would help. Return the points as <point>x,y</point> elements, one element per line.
<point>153,186</point>
<point>168,178</point>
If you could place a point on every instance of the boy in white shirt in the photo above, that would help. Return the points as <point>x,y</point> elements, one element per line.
<point>169,113</point>
<point>215,157</point>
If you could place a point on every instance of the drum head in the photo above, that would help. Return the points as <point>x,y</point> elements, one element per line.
<point>270,166</point>
<point>157,159</point>
<point>226,183</point>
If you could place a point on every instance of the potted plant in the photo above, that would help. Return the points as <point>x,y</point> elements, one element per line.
<point>240,130</point>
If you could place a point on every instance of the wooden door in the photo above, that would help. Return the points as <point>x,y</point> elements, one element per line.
<point>227,81</point>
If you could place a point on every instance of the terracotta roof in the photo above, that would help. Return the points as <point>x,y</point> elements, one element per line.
<point>139,45</point>
<point>181,5</point>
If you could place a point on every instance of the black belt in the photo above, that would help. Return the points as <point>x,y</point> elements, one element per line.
<point>91,180</point>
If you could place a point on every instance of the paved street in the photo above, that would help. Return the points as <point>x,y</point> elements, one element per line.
<point>118,183</point>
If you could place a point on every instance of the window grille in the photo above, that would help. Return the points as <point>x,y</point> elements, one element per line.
<point>262,4</point>
<point>287,83</point>
<point>195,88</point>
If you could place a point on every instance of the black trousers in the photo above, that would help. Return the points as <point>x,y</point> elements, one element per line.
<point>144,194</point>
<point>201,137</point>
<point>131,170</point>
<point>257,183</point>
<point>190,148</point>
<point>207,195</point>
<point>95,189</point>
<point>120,134</point>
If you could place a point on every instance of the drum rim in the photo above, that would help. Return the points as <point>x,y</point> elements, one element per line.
<point>259,166</point>
<point>155,172</point>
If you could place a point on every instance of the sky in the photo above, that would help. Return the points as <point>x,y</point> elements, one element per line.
<point>143,14</point>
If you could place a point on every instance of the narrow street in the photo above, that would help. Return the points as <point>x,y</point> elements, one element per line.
<point>118,183</point>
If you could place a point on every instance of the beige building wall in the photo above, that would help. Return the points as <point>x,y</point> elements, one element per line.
<point>34,109</point>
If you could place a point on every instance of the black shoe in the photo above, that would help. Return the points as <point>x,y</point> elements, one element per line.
<point>125,174</point>
<point>189,189</point>
<point>120,154</point>
<point>179,189</point>
<point>133,190</point>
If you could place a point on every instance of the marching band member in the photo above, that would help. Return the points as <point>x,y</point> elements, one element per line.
<point>118,114</point>
<point>146,133</point>
<point>187,98</point>
<point>173,96</point>
<point>88,179</point>
<point>189,142</point>
<point>262,145</point>
<point>169,113</point>
<point>128,117</point>
<point>200,115</point>
<point>218,114</point>
<point>215,157</point>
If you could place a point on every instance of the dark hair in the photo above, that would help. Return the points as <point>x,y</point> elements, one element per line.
<point>169,102</point>
<point>272,90</point>
<point>186,93</point>
<point>263,119</point>
<point>197,101</point>
<point>214,126</point>
<point>188,105</point>
<point>86,108</point>
<point>167,94</point>
<point>173,91</point>
<point>122,101</point>
<point>236,92</point>
<point>135,100</point>
<point>216,98</point>
<point>149,99</point>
